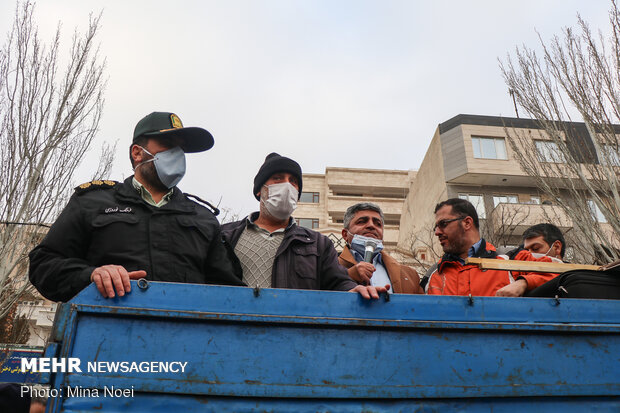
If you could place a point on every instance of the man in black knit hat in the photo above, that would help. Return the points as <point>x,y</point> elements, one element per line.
<point>273,250</point>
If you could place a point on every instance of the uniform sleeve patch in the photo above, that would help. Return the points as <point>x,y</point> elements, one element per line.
<point>97,184</point>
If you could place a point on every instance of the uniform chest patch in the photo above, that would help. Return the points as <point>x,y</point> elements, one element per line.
<point>118,210</point>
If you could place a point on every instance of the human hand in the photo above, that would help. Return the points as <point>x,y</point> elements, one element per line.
<point>515,289</point>
<point>368,291</point>
<point>107,278</point>
<point>364,270</point>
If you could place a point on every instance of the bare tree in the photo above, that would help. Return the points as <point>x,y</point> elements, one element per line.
<point>226,214</point>
<point>423,242</point>
<point>576,164</point>
<point>501,226</point>
<point>49,115</point>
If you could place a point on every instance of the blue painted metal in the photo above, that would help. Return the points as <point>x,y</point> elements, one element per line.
<point>147,402</point>
<point>292,350</point>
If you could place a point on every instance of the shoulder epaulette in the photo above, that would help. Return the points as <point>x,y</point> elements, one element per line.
<point>97,184</point>
<point>215,210</point>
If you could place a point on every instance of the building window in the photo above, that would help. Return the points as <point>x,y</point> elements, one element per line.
<point>311,223</point>
<point>489,148</point>
<point>421,254</point>
<point>597,214</point>
<point>535,200</point>
<point>312,197</point>
<point>549,152</point>
<point>478,203</point>
<point>505,199</point>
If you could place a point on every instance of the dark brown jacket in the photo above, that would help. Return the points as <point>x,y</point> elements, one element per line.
<point>305,259</point>
<point>404,279</point>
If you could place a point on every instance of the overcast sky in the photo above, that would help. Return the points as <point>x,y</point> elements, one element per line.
<point>359,84</point>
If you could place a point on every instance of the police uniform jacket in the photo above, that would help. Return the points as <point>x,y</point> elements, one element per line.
<point>109,223</point>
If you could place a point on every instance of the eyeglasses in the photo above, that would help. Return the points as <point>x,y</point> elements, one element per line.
<point>444,223</point>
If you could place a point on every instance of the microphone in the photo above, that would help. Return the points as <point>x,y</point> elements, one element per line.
<point>369,250</point>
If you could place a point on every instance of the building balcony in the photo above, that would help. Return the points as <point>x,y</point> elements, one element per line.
<point>514,219</point>
<point>365,178</point>
<point>390,235</point>
<point>40,313</point>
<point>337,205</point>
<point>611,238</point>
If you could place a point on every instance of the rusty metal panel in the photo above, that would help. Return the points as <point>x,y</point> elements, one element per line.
<point>309,349</point>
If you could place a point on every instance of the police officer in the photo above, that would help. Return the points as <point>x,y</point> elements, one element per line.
<point>111,232</point>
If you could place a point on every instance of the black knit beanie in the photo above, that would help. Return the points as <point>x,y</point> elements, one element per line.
<point>275,163</point>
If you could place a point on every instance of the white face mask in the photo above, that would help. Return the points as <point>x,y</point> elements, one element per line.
<point>281,200</point>
<point>358,243</point>
<point>539,255</point>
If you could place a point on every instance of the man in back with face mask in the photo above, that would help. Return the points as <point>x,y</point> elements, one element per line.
<point>111,232</point>
<point>363,229</point>
<point>545,239</point>
<point>273,250</point>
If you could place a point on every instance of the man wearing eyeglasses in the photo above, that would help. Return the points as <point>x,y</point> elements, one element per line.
<point>457,228</point>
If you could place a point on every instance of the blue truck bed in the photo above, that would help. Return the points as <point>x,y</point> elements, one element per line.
<point>320,351</point>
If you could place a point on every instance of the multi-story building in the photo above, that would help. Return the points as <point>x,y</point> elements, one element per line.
<point>40,316</point>
<point>17,239</point>
<point>326,197</point>
<point>469,157</point>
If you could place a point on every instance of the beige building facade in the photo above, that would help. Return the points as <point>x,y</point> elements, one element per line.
<point>40,314</point>
<point>326,197</point>
<point>469,158</point>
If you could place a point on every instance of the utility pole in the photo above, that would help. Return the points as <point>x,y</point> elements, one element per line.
<point>511,92</point>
